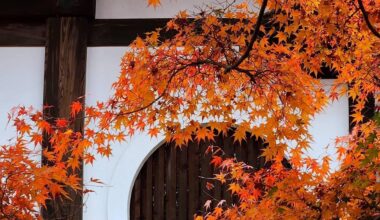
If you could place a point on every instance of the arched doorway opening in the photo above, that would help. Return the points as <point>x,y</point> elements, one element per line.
<point>172,182</point>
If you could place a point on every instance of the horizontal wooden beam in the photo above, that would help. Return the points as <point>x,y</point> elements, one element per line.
<point>102,32</point>
<point>22,33</point>
<point>46,8</point>
<point>121,32</point>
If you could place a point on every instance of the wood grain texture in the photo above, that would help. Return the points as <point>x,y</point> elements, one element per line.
<point>46,8</point>
<point>159,184</point>
<point>21,32</point>
<point>178,189</point>
<point>170,182</point>
<point>64,82</point>
<point>194,180</point>
<point>121,32</point>
<point>182,182</point>
<point>147,191</point>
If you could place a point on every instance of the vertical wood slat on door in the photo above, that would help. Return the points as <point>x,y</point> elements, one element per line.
<point>205,173</point>
<point>159,184</point>
<point>182,183</point>
<point>229,152</point>
<point>148,191</point>
<point>193,161</point>
<point>172,182</point>
<point>171,190</point>
<point>252,151</point>
<point>132,209</point>
<point>146,184</point>
<point>217,191</point>
<point>137,198</point>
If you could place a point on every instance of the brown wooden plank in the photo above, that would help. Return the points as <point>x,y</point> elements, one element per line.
<point>142,175</point>
<point>30,33</point>
<point>217,191</point>
<point>137,202</point>
<point>46,8</point>
<point>240,155</point>
<point>65,67</point>
<point>171,182</point>
<point>240,150</point>
<point>206,172</point>
<point>193,175</point>
<point>132,209</point>
<point>260,146</point>
<point>121,32</point>
<point>159,184</point>
<point>251,151</point>
<point>147,190</point>
<point>229,153</point>
<point>182,183</point>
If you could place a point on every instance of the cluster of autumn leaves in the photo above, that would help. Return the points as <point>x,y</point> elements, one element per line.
<point>231,66</point>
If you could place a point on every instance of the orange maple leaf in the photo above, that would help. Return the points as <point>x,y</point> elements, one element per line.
<point>76,107</point>
<point>216,161</point>
<point>61,122</point>
<point>153,132</point>
<point>209,186</point>
<point>234,187</point>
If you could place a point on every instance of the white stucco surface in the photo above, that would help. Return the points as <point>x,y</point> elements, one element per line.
<point>21,83</point>
<point>111,201</point>
<point>332,122</point>
<point>140,9</point>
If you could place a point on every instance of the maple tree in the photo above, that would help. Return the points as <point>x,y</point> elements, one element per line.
<point>235,65</point>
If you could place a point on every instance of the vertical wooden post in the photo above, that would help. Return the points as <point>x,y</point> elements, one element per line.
<point>65,67</point>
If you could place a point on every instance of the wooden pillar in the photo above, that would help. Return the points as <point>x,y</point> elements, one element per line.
<point>65,67</point>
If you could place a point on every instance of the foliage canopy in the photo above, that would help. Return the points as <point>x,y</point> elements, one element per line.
<point>233,65</point>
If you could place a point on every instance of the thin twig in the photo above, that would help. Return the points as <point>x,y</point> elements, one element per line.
<point>365,15</point>
<point>253,38</point>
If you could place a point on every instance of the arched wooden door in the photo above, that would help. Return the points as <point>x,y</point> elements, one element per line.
<point>172,182</point>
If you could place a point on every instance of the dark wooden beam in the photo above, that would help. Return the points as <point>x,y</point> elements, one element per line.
<point>101,33</point>
<point>121,32</point>
<point>22,33</point>
<point>46,8</point>
<point>65,67</point>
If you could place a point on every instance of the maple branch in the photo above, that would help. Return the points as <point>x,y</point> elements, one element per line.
<point>253,38</point>
<point>365,15</point>
<point>174,73</point>
<point>154,101</point>
<point>220,65</point>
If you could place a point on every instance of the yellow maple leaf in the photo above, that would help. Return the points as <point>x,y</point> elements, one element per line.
<point>234,187</point>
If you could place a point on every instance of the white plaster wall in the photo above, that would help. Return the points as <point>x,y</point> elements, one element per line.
<point>21,82</point>
<point>111,201</point>
<point>140,9</point>
<point>332,122</point>
<point>102,70</point>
